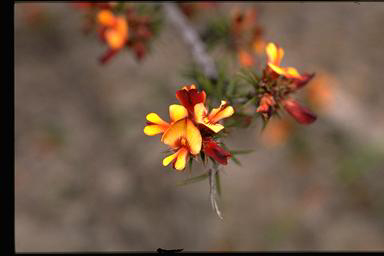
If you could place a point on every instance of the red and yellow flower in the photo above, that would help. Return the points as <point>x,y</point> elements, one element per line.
<point>184,134</point>
<point>275,55</point>
<point>279,93</point>
<point>185,138</point>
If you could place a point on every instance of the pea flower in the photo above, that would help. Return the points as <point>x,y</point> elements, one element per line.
<point>186,133</point>
<point>189,96</point>
<point>277,91</point>
<point>275,55</point>
<point>180,134</point>
<point>185,138</point>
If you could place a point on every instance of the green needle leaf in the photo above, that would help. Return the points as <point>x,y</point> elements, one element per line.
<point>242,151</point>
<point>193,179</point>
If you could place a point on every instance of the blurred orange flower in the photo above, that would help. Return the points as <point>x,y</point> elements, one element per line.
<point>320,91</point>
<point>114,29</point>
<point>245,59</point>
<point>277,133</point>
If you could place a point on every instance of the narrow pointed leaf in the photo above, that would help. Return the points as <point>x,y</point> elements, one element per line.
<point>242,151</point>
<point>193,179</point>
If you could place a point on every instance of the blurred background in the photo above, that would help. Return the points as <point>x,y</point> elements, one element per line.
<point>88,179</point>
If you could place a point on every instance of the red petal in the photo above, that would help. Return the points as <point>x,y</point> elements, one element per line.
<point>140,50</point>
<point>107,55</point>
<point>189,98</point>
<point>212,149</point>
<point>301,114</point>
<point>298,83</point>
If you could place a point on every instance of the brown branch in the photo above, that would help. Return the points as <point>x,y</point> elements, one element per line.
<point>190,36</point>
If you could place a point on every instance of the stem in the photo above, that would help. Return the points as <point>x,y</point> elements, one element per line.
<point>193,40</point>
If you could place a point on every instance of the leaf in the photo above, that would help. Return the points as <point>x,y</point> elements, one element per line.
<point>212,193</point>
<point>243,151</point>
<point>193,179</point>
<point>246,104</point>
<point>249,76</point>
<point>204,82</point>
<point>218,186</point>
<point>236,160</point>
<point>265,122</point>
<point>230,88</point>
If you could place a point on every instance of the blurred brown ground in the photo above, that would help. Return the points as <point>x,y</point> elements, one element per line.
<point>88,179</point>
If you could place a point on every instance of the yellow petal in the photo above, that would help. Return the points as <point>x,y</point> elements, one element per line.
<point>277,69</point>
<point>291,72</point>
<point>175,132</point>
<point>226,112</point>
<point>214,127</point>
<point>154,129</point>
<point>274,53</point>
<point>193,137</point>
<point>114,39</point>
<point>177,112</point>
<point>189,87</point>
<point>169,159</point>
<point>154,118</point>
<point>220,112</point>
<point>199,111</point>
<point>122,27</point>
<point>181,159</point>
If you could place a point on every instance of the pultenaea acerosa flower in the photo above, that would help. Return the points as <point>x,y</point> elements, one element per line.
<point>279,93</point>
<point>275,55</point>
<point>184,134</point>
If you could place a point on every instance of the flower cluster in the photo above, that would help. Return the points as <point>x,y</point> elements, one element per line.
<point>277,84</point>
<point>246,35</point>
<point>120,25</point>
<point>113,30</point>
<point>191,129</point>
